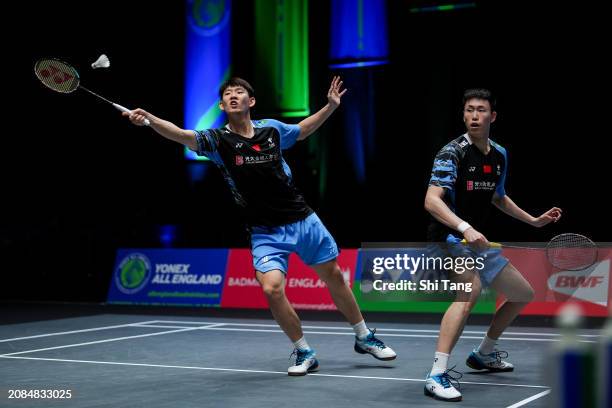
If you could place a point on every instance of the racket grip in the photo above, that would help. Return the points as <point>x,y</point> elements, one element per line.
<point>491,244</point>
<point>124,109</point>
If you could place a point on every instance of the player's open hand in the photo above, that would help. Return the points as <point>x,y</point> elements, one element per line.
<point>335,92</point>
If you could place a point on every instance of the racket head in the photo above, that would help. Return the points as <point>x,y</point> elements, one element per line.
<point>57,75</point>
<point>571,252</point>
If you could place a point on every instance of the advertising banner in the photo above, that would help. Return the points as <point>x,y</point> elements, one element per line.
<point>188,277</point>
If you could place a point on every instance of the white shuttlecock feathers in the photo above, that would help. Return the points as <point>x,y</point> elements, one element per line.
<point>101,62</point>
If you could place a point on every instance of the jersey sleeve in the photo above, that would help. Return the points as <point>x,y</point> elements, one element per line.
<point>500,189</point>
<point>445,165</point>
<point>288,133</point>
<point>206,143</point>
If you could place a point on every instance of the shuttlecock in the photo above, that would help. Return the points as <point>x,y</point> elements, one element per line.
<point>101,62</point>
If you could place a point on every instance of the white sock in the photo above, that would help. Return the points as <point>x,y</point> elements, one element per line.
<point>440,363</point>
<point>361,330</point>
<point>487,345</point>
<point>301,344</point>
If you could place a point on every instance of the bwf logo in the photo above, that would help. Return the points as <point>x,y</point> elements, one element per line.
<point>575,282</point>
<point>590,284</point>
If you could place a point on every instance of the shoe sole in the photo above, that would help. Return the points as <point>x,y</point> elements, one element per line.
<point>476,365</point>
<point>312,369</point>
<point>362,351</point>
<point>434,396</point>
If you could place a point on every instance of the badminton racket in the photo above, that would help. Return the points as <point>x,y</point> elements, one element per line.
<point>64,78</point>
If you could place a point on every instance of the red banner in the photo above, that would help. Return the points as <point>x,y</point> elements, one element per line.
<point>304,288</point>
<point>591,288</point>
<point>241,289</point>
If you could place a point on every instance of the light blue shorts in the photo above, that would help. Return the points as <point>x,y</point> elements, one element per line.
<point>308,238</point>
<point>494,262</point>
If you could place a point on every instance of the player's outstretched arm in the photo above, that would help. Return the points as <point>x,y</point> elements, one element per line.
<point>167,129</point>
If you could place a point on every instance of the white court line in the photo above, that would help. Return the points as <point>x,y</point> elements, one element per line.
<point>159,326</point>
<point>104,341</point>
<point>77,331</point>
<point>378,329</point>
<point>259,371</point>
<point>528,400</point>
<point>352,334</point>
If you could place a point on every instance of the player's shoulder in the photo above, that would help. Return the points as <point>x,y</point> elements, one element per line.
<point>214,135</point>
<point>498,147</point>
<point>212,131</point>
<point>456,147</point>
<point>262,123</point>
<point>219,132</point>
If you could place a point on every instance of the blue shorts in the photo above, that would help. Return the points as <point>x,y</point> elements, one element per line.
<point>494,262</point>
<point>308,238</point>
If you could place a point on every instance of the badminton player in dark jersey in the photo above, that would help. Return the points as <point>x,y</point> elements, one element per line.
<point>249,155</point>
<point>468,177</point>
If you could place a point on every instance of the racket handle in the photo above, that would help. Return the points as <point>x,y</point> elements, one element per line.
<point>491,244</point>
<point>124,109</point>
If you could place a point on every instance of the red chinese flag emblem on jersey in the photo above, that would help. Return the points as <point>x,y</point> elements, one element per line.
<point>487,169</point>
<point>256,148</point>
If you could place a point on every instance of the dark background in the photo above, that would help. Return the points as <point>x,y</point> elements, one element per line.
<point>78,181</point>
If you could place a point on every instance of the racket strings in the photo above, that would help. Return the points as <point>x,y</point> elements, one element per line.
<point>57,75</point>
<point>571,252</point>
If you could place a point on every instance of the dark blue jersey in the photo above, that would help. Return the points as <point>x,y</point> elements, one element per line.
<point>470,178</point>
<point>257,174</point>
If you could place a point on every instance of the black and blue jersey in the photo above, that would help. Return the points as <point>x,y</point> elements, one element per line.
<point>257,174</point>
<point>470,178</point>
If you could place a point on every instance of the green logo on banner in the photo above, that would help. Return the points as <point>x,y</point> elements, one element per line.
<point>208,17</point>
<point>133,273</point>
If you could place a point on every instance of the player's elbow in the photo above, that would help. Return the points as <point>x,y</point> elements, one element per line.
<point>304,132</point>
<point>498,200</point>
<point>189,139</point>
<point>429,204</point>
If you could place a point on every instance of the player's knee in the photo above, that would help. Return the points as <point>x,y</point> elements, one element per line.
<point>273,290</point>
<point>466,307</point>
<point>332,276</point>
<point>525,294</point>
<point>466,301</point>
<point>529,293</point>
<point>468,294</point>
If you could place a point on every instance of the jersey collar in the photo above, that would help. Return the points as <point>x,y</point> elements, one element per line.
<point>467,137</point>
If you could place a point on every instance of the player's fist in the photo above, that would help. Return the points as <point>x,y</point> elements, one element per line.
<point>137,116</point>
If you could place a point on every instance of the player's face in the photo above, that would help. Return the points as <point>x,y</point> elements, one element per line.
<point>477,116</point>
<point>236,100</point>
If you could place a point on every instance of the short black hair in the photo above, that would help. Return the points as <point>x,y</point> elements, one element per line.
<point>236,81</point>
<point>479,93</point>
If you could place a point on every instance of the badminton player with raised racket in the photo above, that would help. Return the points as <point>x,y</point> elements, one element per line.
<point>467,179</point>
<point>249,155</point>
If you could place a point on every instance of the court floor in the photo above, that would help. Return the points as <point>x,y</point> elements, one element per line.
<point>119,360</point>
